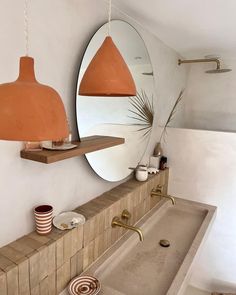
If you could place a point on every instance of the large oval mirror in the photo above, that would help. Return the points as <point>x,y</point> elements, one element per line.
<point>129,118</point>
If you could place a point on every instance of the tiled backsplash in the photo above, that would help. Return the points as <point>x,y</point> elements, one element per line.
<point>44,265</point>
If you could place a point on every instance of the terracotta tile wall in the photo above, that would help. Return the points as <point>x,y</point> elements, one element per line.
<point>44,265</point>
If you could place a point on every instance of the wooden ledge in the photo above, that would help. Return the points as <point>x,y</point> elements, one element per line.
<point>86,145</point>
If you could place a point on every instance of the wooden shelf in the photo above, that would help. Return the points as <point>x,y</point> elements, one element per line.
<point>86,145</point>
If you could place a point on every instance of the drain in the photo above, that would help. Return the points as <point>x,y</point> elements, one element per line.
<point>164,243</point>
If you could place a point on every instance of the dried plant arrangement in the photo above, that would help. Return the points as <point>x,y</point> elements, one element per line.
<point>172,113</point>
<point>142,111</point>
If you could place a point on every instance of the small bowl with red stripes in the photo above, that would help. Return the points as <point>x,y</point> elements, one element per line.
<point>84,285</point>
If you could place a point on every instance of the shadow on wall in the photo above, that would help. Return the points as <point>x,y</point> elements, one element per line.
<point>209,102</point>
<point>222,286</point>
<point>194,291</point>
<point>203,168</point>
<point>214,121</point>
<point>216,286</point>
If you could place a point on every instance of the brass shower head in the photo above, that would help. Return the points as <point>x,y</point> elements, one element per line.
<point>215,60</point>
<point>217,71</point>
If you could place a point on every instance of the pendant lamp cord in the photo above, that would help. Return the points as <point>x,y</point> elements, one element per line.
<point>109,17</point>
<point>26,27</point>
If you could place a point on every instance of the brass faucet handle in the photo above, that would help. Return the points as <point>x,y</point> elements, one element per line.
<point>115,220</point>
<point>159,188</point>
<point>126,214</point>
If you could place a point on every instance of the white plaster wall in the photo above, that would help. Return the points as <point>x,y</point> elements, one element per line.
<point>59,32</point>
<point>210,99</point>
<point>203,168</point>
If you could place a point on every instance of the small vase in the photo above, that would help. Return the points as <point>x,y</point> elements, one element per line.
<point>141,174</point>
<point>43,219</point>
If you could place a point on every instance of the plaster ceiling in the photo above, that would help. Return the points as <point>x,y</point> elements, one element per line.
<point>193,28</point>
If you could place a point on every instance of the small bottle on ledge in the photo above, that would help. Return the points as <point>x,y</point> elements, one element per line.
<point>163,163</point>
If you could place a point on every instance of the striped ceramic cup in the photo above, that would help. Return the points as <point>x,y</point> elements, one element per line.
<point>43,219</point>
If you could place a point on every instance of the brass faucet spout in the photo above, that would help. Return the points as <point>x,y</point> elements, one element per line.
<point>171,198</point>
<point>116,222</point>
<point>156,193</point>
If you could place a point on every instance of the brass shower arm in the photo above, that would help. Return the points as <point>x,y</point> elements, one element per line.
<point>189,61</point>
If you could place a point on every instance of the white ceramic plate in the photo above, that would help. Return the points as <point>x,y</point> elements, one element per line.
<point>64,220</point>
<point>86,285</point>
<point>64,147</point>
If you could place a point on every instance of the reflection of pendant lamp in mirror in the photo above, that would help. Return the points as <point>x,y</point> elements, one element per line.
<point>107,73</point>
<point>30,111</point>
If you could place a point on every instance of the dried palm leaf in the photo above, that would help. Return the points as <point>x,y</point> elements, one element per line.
<point>172,113</point>
<point>143,112</point>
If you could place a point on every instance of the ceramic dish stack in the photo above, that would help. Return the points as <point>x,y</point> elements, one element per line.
<point>84,285</point>
<point>68,220</point>
<point>48,145</point>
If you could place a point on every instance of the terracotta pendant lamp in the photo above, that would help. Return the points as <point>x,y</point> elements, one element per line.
<point>107,73</point>
<point>30,111</point>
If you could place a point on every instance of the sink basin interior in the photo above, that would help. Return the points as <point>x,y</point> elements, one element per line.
<point>135,268</point>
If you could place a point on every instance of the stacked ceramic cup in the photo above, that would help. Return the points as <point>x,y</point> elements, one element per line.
<point>43,219</point>
<point>141,173</point>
